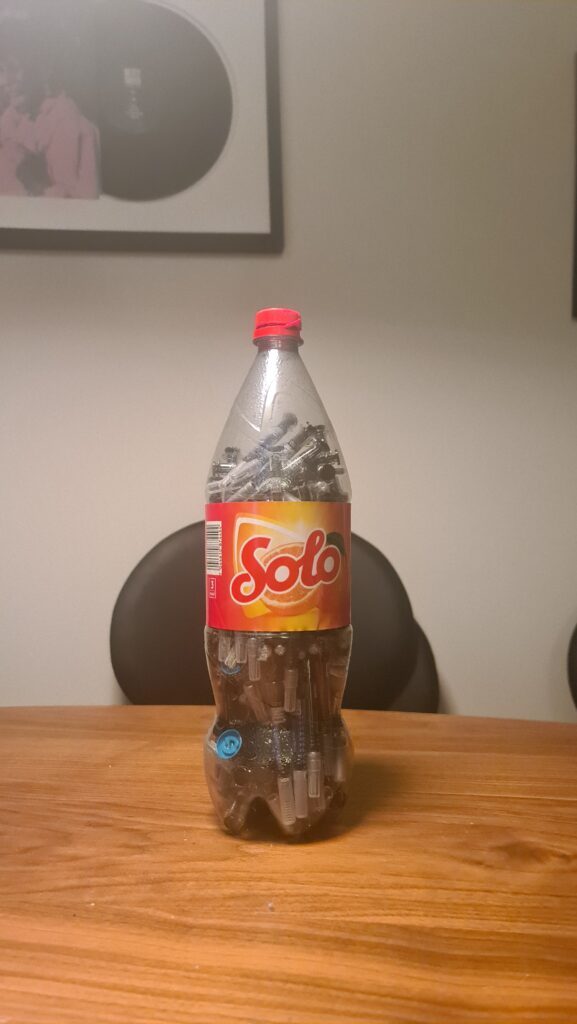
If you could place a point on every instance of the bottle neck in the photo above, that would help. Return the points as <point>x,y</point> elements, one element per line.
<point>279,343</point>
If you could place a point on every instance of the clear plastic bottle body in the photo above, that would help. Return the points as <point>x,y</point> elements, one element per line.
<point>278,736</point>
<point>285,704</point>
<point>278,407</point>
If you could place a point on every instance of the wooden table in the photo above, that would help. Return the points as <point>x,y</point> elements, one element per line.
<point>449,894</point>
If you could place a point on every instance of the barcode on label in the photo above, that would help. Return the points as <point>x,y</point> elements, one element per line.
<point>213,548</point>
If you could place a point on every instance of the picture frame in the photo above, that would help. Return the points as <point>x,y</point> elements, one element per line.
<point>140,125</point>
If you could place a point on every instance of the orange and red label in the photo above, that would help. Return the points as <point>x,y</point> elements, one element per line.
<point>278,566</point>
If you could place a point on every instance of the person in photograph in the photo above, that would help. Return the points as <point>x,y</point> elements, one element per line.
<point>69,143</point>
<point>16,128</point>
<point>47,146</point>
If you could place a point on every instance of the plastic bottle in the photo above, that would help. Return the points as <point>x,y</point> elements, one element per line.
<point>278,633</point>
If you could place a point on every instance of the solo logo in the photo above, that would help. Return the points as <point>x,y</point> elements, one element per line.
<point>286,574</point>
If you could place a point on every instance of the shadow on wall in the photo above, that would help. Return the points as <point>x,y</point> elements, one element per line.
<point>446,705</point>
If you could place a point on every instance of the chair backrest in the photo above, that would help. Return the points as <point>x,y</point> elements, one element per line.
<point>572,665</point>
<point>157,631</point>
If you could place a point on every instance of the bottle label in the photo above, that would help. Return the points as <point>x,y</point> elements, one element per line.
<point>278,566</point>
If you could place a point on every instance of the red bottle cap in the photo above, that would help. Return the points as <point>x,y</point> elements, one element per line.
<point>280,322</point>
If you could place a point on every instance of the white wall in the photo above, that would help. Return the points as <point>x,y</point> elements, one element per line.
<point>428,156</point>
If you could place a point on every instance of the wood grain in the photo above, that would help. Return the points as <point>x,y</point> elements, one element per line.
<point>449,893</point>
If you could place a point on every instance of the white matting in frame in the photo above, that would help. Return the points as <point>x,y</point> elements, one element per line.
<point>160,185</point>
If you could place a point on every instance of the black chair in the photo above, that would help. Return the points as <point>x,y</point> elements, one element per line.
<point>572,666</point>
<point>157,631</point>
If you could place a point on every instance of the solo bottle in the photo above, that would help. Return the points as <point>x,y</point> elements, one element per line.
<point>278,634</point>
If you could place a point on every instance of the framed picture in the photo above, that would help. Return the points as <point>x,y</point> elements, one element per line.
<point>140,125</point>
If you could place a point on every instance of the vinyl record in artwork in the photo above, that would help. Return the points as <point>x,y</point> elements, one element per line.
<point>165,100</point>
